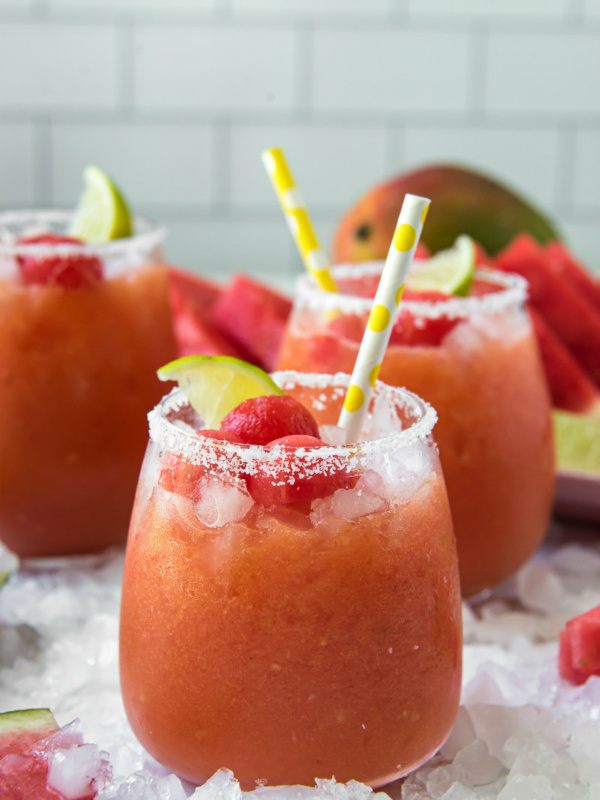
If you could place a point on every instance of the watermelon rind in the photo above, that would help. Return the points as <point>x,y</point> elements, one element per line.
<point>24,721</point>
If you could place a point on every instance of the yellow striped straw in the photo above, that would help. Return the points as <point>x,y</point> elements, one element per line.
<point>383,314</point>
<point>314,257</point>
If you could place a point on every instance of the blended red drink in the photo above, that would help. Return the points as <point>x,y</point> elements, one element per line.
<point>293,614</point>
<point>82,331</point>
<point>475,359</point>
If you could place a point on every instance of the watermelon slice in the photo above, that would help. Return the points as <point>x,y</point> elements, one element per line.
<point>579,647</point>
<point>37,757</point>
<point>192,291</point>
<point>574,271</point>
<point>196,336</point>
<point>192,297</point>
<point>570,387</point>
<point>565,309</point>
<point>252,316</point>
<point>22,773</point>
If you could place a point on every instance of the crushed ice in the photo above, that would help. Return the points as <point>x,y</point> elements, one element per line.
<point>522,733</point>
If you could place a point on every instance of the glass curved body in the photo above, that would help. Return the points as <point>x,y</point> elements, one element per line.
<point>77,378</point>
<point>482,373</point>
<point>288,643</point>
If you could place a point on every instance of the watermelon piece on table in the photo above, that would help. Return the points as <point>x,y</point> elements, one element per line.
<point>40,761</point>
<point>198,336</point>
<point>575,272</point>
<point>193,292</point>
<point>579,647</point>
<point>23,774</point>
<point>565,309</point>
<point>253,317</point>
<point>570,387</point>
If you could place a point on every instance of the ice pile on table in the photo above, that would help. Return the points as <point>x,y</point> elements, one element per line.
<point>521,732</point>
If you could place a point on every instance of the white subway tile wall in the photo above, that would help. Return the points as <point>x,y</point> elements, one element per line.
<point>177,99</point>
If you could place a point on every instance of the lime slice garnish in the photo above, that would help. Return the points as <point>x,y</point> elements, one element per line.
<point>577,440</point>
<point>102,213</point>
<point>215,385</point>
<point>450,271</point>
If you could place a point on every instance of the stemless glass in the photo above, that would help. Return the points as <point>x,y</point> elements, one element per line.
<point>301,640</point>
<point>475,359</point>
<point>77,376</point>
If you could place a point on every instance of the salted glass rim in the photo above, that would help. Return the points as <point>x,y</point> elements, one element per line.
<point>172,438</point>
<point>148,234</point>
<point>512,294</point>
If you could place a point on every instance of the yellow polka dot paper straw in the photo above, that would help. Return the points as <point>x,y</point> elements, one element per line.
<point>314,257</point>
<point>383,314</point>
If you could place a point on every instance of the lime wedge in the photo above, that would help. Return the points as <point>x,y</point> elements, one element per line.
<point>215,385</point>
<point>577,440</point>
<point>102,213</point>
<point>450,271</point>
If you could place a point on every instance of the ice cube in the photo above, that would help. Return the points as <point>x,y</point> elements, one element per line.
<point>332,434</point>
<point>221,786</point>
<point>461,735</point>
<point>527,787</point>
<point>458,791</point>
<point>442,778</point>
<point>221,503</point>
<point>77,771</point>
<point>539,588</point>
<point>585,750</point>
<point>478,766</point>
<point>351,504</point>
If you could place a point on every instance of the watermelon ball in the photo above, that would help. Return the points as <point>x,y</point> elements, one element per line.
<point>260,420</point>
<point>179,476</point>
<point>275,489</point>
<point>76,271</point>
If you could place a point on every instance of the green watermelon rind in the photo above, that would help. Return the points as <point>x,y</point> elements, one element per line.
<point>30,725</point>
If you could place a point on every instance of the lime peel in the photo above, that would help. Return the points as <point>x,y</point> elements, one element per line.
<point>577,438</point>
<point>102,213</point>
<point>215,385</point>
<point>450,271</point>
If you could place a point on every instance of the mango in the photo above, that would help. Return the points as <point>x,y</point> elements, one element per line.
<point>463,202</point>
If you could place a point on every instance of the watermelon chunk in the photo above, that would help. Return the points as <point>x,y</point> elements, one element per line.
<point>570,387</point>
<point>252,316</point>
<point>565,309</point>
<point>195,335</point>
<point>192,291</point>
<point>575,272</point>
<point>579,647</point>
<point>37,757</point>
<point>192,297</point>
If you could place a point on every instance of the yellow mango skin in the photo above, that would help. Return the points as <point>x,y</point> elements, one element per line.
<point>463,202</point>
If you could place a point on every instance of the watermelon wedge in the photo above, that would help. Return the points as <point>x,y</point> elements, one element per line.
<point>22,773</point>
<point>40,761</point>
<point>567,311</point>
<point>197,336</point>
<point>575,272</point>
<point>253,317</point>
<point>579,647</point>
<point>192,291</point>
<point>570,387</point>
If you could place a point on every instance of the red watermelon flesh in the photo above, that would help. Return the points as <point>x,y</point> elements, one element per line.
<point>23,774</point>
<point>194,292</point>
<point>568,312</point>
<point>195,335</point>
<point>570,387</point>
<point>579,647</point>
<point>253,317</point>
<point>35,751</point>
<point>574,271</point>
